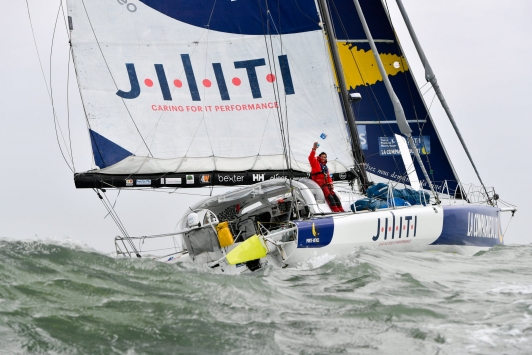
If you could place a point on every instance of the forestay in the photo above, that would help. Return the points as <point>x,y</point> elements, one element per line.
<point>175,86</point>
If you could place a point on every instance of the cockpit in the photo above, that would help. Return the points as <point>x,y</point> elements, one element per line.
<point>267,206</point>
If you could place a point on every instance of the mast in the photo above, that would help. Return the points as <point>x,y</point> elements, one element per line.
<point>431,77</point>
<point>398,108</point>
<point>359,158</point>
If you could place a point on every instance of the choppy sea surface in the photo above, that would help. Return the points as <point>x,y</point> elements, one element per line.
<point>62,298</point>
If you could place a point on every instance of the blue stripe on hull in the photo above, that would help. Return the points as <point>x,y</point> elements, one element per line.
<point>470,226</point>
<point>315,233</point>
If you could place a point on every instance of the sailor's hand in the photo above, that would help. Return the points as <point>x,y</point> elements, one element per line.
<point>315,146</point>
<point>331,187</point>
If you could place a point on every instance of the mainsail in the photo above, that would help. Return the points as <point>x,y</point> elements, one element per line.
<point>375,112</point>
<point>187,93</point>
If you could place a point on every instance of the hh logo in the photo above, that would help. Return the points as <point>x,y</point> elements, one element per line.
<point>258,177</point>
<point>250,70</point>
<point>406,227</point>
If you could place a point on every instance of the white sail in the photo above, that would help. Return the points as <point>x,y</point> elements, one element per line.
<point>162,95</point>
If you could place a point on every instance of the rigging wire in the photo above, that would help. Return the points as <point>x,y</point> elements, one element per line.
<point>116,200</point>
<point>356,149</point>
<point>427,116</point>
<point>112,78</point>
<point>333,92</point>
<point>275,85</point>
<point>283,122</point>
<point>85,114</point>
<point>364,81</point>
<point>68,107</point>
<point>399,49</point>
<point>508,225</point>
<point>67,31</point>
<point>203,119</point>
<point>367,88</point>
<point>427,90</point>
<point>154,129</point>
<point>111,211</point>
<point>408,85</point>
<point>51,84</point>
<point>422,86</point>
<point>204,88</point>
<point>506,203</point>
<point>48,87</point>
<point>297,4</point>
<point>105,201</point>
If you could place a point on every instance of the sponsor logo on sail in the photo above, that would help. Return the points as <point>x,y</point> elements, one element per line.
<point>190,179</point>
<point>205,179</point>
<point>342,176</point>
<point>173,181</point>
<point>247,68</point>
<point>388,146</point>
<point>363,137</point>
<point>277,176</point>
<point>143,182</point>
<point>129,182</point>
<point>230,178</point>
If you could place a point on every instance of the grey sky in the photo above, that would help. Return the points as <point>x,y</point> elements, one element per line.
<point>479,50</point>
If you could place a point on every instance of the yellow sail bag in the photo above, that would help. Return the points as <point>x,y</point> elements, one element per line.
<point>251,249</point>
<point>225,237</point>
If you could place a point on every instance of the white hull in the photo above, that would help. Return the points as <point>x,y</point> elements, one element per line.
<point>292,224</point>
<point>465,229</point>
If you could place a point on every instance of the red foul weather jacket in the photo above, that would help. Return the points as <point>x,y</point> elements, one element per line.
<point>317,173</point>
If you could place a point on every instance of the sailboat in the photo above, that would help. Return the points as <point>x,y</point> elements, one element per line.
<point>207,93</point>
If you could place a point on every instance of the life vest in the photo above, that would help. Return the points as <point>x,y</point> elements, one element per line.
<point>319,172</point>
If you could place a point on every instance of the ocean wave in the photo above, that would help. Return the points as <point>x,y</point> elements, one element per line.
<point>62,297</point>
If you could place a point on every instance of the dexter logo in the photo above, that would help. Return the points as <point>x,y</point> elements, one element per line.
<point>250,67</point>
<point>229,178</point>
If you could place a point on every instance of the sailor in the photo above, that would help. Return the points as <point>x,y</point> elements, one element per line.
<point>320,174</point>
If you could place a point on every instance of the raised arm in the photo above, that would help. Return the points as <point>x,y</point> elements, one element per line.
<point>312,159</point>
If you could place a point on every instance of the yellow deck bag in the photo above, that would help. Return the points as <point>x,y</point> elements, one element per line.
<point>251,249</point>
<point>225,237</point>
